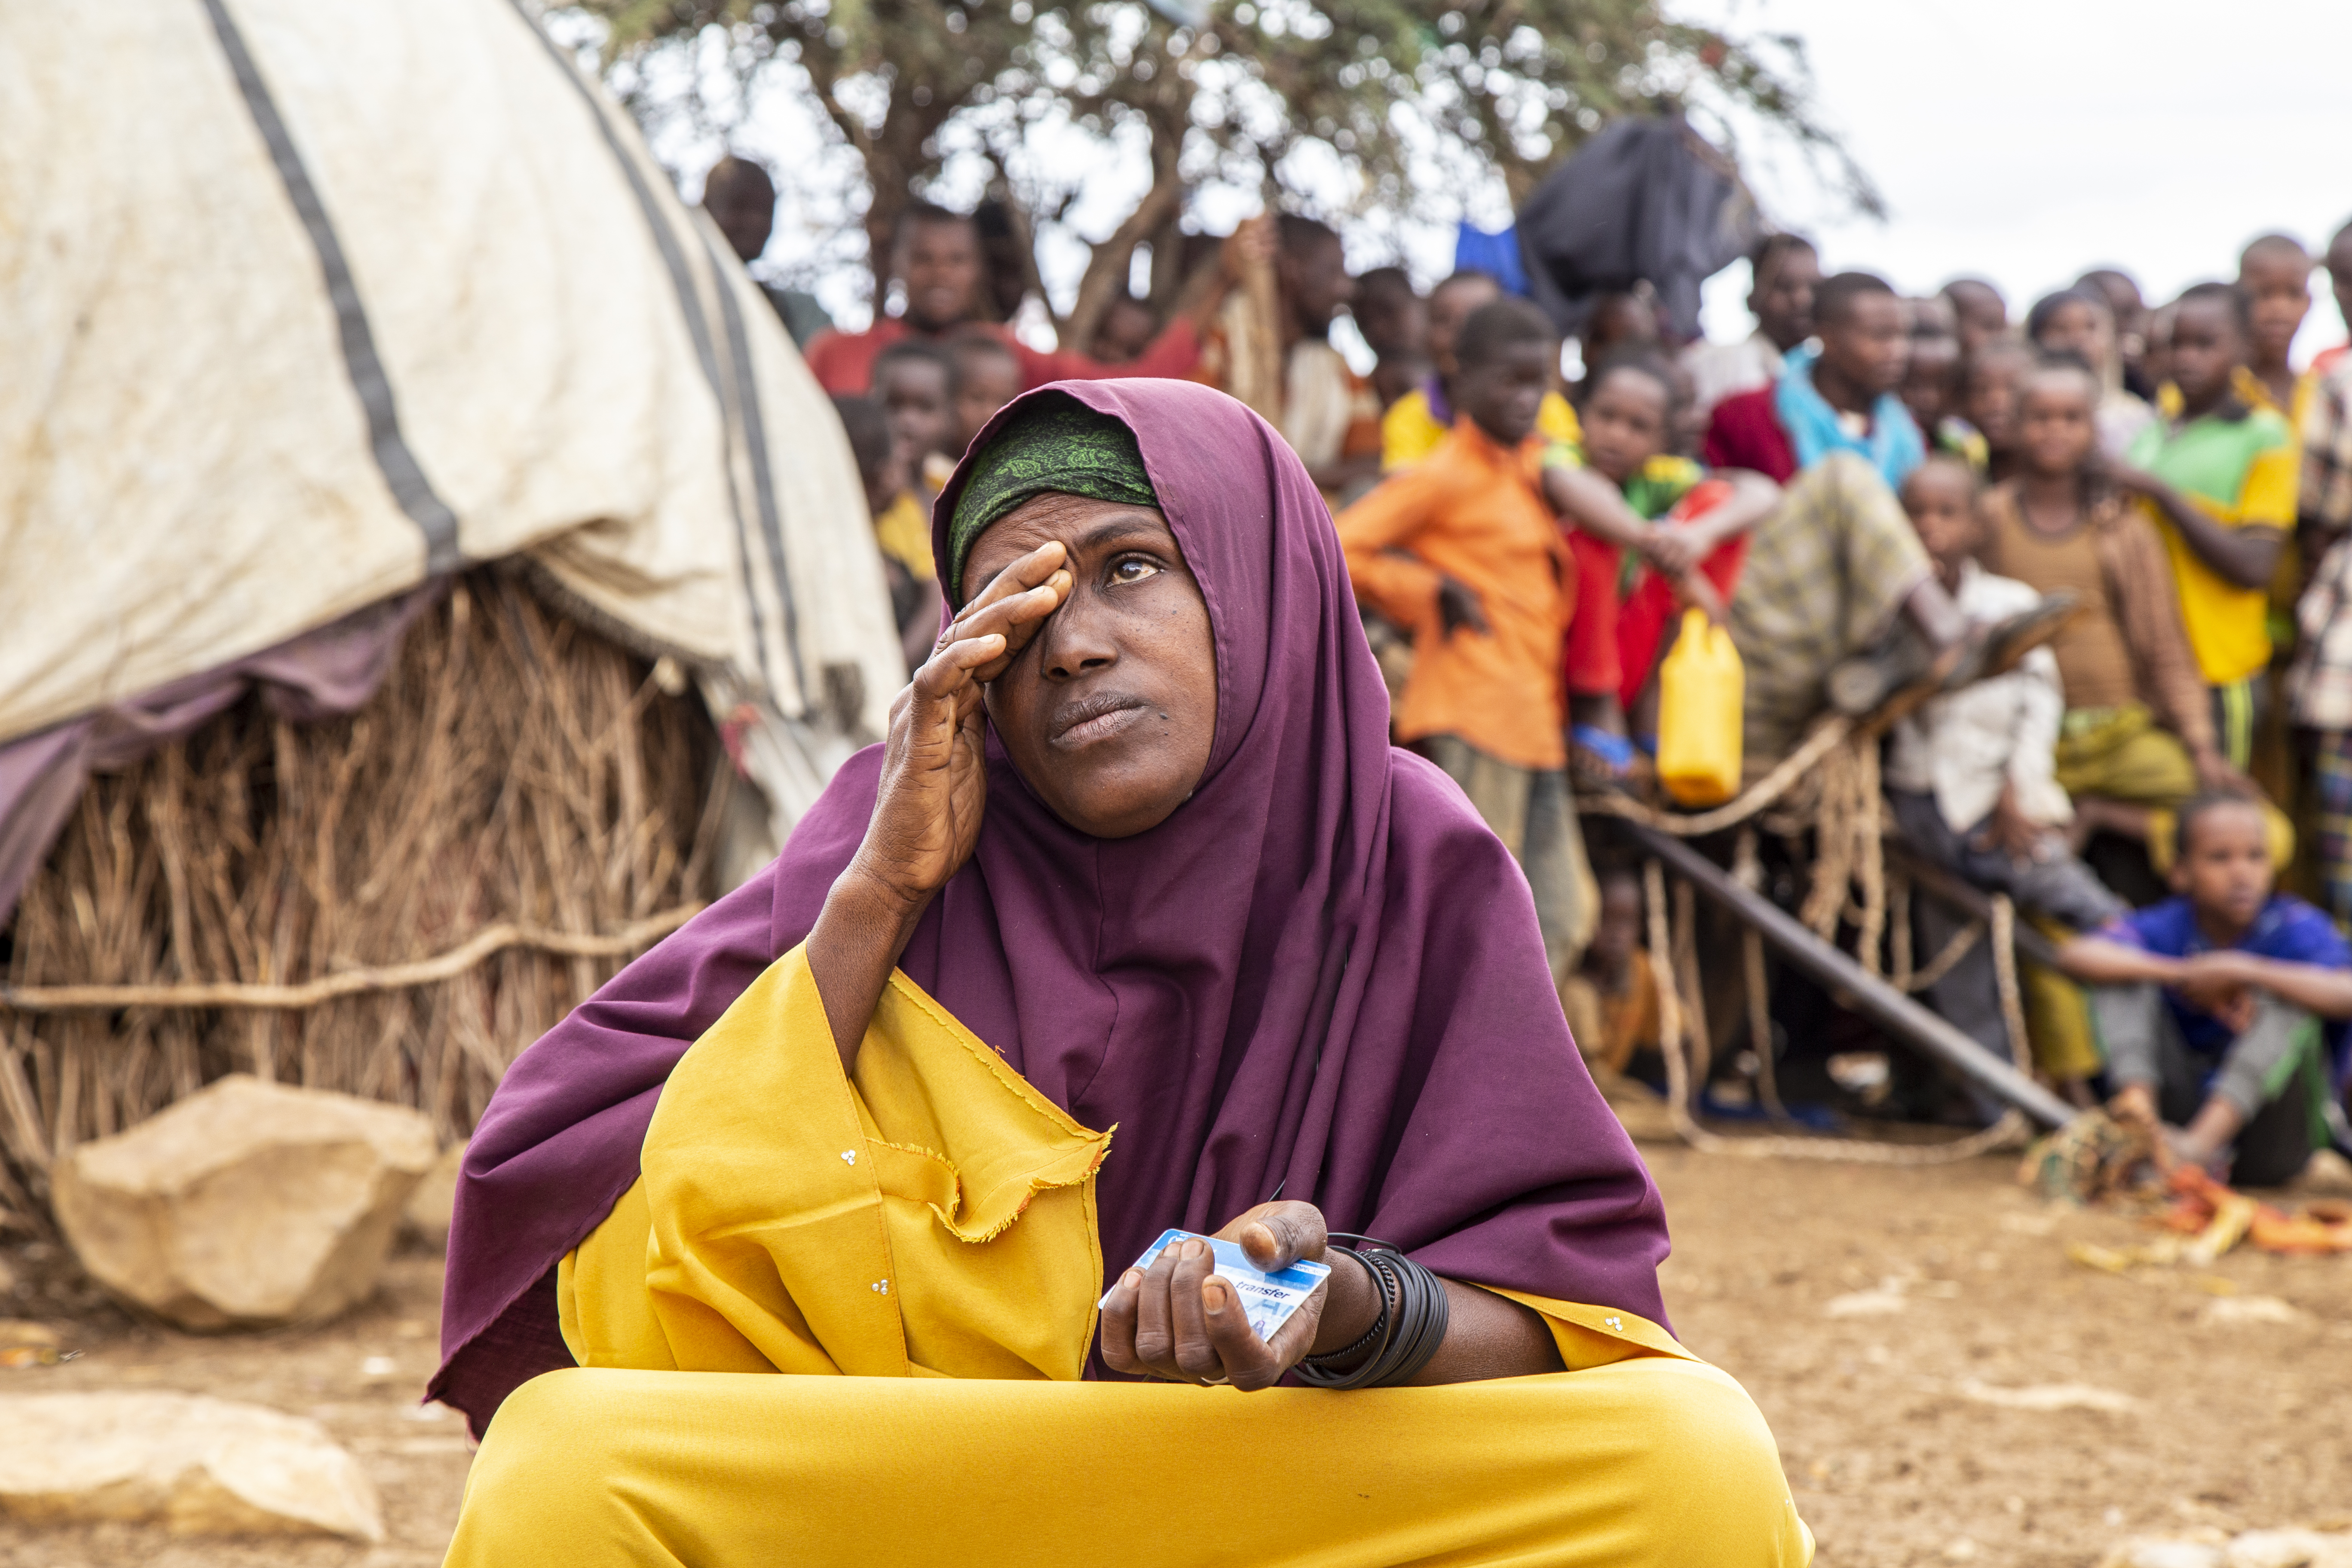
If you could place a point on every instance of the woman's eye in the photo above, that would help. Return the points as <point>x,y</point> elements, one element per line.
<point>1133,569</point>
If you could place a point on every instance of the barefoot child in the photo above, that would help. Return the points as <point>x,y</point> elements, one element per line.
<point>2210,1004</point>
<point>1969,777</point>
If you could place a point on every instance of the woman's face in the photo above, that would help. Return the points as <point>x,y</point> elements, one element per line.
<point>1110,711</point>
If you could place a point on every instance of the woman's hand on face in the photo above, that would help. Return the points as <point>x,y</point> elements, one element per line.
<point>1179,1321</point>
<point>928,809</point>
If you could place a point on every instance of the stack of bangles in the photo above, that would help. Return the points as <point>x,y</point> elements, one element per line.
<point>1411,1326</point>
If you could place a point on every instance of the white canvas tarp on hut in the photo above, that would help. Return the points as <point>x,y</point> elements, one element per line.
<point>303,305</point>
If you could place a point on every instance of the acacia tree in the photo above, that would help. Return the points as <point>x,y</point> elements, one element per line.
<point>1414,103</point>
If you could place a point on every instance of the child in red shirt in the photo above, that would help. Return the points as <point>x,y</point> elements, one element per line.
<point>1688,535</point>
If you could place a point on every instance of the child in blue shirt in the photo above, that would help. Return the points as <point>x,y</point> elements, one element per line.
<point>2210,1005</point>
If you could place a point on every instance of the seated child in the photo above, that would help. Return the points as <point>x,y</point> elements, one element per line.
<point>1629,492</point>
<point>1461,549</point>
<point>1968,775</point>
<point>882,468</point>
<point>2210,1004</point>
<point>1611,999</point>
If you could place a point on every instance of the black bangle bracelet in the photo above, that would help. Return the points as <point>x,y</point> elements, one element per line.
<point>1380,1321</point>
<point>1412,1325</point>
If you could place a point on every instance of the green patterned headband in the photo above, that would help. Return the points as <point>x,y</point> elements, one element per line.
<point>1060,444</point>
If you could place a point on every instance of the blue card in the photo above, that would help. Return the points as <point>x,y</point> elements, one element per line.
<point>1267,1300</point>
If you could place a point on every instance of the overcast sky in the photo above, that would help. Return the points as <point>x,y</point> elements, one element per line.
<point>2029,140</point>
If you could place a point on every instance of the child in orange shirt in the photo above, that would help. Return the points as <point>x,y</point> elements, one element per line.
<point>1461,550</point>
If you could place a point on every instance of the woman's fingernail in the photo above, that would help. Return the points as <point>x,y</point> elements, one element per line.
<point>1132,1279</point>
<point>1193,1249</point>
<point>1213,1300</point>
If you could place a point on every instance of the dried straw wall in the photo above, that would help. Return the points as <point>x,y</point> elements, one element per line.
<point>514,768</point>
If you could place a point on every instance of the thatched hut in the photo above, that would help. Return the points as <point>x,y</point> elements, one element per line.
<point>430,572</point>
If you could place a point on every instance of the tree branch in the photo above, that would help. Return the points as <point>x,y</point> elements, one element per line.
<point>1107,268</point>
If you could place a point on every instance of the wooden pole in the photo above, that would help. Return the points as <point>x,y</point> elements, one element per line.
<point>1939,883</point>
<point>482,944</point>
<point>1890,1009</point>
<point>1262,377</point>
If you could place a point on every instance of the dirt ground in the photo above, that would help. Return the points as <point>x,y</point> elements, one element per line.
<point>1890,1322</point>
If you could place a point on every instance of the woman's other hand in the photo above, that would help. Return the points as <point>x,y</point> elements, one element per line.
<point>1179,1321</point>
<point>928,806</point>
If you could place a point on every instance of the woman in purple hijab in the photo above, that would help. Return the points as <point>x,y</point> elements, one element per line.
<point>1138,828</point>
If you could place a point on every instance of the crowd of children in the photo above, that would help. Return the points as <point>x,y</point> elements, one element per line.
<point>1871,493</point>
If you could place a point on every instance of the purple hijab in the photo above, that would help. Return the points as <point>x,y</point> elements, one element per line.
<point>1321,978</point>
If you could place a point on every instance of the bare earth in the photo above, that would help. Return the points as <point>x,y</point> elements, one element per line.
<point>1888,1322</point>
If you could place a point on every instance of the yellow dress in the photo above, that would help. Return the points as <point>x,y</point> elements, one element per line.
<point>920,1243</point>
<point>903,532</point>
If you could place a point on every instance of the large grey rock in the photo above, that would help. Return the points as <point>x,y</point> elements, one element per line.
<point>197,1465</point>
<point>246,1205</point>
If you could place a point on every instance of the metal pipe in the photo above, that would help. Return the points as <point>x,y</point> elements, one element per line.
<point>1890,1009</point>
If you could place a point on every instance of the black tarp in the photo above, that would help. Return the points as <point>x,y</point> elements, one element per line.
<point>1646,198</point>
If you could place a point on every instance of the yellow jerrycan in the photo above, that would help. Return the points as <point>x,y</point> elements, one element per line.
<point>1701,687</point>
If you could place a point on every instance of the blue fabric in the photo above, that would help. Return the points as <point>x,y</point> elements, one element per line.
<point>1496,255</point>
<point>1893,445</point>
<point>2288,930</point>
<point>1614,750</point>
